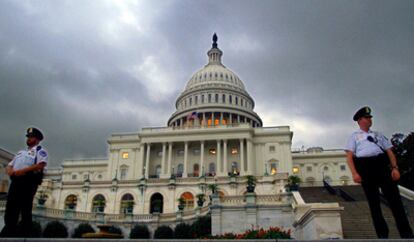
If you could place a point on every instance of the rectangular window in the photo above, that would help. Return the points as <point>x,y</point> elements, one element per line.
<point>230,100</point>
<point>180,152</point>
<point>123,174</point>
<point>234,151</point>
<point>216,98</point>
<point>190,101</point>
<point>202,98</point>
<point>209,98</point>
<point>272,148</point>
<point>195,99</point>
<point>236,100</point>
<point>196,151</point>
<point>295,170</point>
<point>343,167</point>
<point>309,168</point>
<point>223,100</point>
<point>125,155</point>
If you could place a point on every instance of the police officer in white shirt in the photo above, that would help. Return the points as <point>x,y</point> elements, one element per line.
<point>373,165</point>
<point>26,173</point>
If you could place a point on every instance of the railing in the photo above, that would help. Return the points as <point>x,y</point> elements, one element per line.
<point>102,217</point>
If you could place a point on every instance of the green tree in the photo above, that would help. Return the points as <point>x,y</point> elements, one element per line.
<point>404,152</point>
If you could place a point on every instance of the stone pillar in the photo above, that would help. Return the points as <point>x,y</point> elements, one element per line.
<point>230,118</point>
<point>163,163</point>
<point>201,168</point>
<point>169,158</point>
<point>221,118</point>
<point>225,165</point>
<point>238,119</point>
<point>204,122</point>
<point>185,172</point>
<point>141,161</point>
<point>242,169</point>
<point>212,119</point>
<point>249,157</point>
<point>218,154</point>
<point>147,160</point>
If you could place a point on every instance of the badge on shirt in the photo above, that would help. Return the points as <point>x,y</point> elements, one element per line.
<point>42,153</point>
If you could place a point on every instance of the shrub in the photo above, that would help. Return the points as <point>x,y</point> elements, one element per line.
<point>182,231</point>
<point>115,230</point>
<point>201,227</point>
<point>163,232</point>
<point>82,228</point>
<point>35,232</point>
<point>271,233</point>
<point>139,231</point>
<point>55,229</point>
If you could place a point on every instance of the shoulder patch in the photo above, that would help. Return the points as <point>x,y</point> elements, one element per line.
<point>43,153</point>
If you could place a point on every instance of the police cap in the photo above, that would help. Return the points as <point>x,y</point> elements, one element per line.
<point>363,112</point>
<point>33,132</point>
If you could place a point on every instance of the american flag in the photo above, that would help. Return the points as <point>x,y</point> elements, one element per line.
<point>192,115</point>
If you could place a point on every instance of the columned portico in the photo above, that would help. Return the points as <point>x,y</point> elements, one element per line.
<point>185,171</point>
<point>225,172</point>
<point>147,159</point>
<point>202,171</point>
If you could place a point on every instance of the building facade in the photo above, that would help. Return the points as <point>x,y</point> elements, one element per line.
<point>214,138</point>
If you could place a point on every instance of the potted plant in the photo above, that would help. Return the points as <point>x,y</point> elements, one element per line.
<point>213,188</point>
<point>251,183</point>
<point>200,199</point>
<point>42,198</point>
<point>293,182</point>
<point>181,203</point>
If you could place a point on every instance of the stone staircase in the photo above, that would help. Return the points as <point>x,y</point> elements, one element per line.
<point>356,218</point>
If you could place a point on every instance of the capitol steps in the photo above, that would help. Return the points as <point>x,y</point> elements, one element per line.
<point>356,218</point>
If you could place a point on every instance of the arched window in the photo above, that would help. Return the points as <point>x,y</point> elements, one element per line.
<point>180,170</point>
<point>71,201</point>
<point>127,204</point>
<point>98,204</point>
<point>212,169</point>
<point>157,203</point>
<point>188,200</point>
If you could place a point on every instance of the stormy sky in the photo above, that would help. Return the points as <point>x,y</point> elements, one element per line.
<point>81,70</point>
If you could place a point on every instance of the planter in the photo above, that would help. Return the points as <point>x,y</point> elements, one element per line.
<point>181,207</point>
<point>200,203</point>
<point>41,201</point>
<point>250,188</point>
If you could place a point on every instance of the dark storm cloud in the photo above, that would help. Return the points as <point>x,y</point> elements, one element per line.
<point>83,70</point>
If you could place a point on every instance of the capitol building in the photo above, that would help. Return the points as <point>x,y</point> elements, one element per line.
<point>214,137</point>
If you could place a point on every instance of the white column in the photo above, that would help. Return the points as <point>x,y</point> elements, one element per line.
<point>218,154</point>
<point>163,163</point>
<point>204,120</point>
<point>230,118</point>
<point>238,119</point>
<point>169,158</point>
<point>221,118</point>
<point>185,172</point>
<point>242,170</point>
<point>225,165</point>
<point>249,157</point>
<point>201,168</point>
<point>147,160</point>
<point>212,119</point>
<point>141,161</point>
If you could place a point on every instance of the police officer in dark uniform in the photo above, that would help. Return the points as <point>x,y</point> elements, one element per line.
<point>26,172</point>
<point>373,165</point>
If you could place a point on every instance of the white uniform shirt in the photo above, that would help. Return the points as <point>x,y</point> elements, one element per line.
<point>360,146</point>
<point>26,158</point>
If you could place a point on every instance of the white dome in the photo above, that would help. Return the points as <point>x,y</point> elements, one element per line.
<point>214,93</point>
<point>213,75</point>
